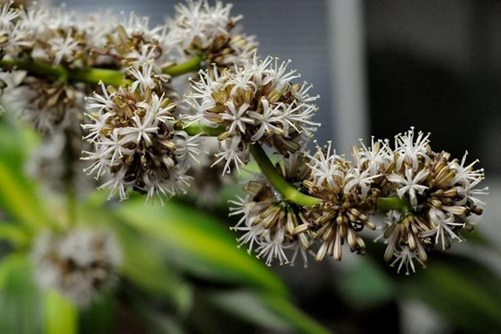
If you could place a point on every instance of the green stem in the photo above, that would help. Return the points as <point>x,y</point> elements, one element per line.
<point>195,129</point>
<point>36,68</point>
<point>273,175</point>
<point>191,65</point>
<point>393,203</point>
<point>91,75</point>
<point>95,75</point>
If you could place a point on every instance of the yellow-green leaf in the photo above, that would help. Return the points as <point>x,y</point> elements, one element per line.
<point>60,314</point>
<point>199,243</point>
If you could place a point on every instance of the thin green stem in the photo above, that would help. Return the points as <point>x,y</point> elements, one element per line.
<point>393,203</point>
<point>273,175</point>
<point>36,68</point>
<point>195,129</point>
<point>191,65</point>
<point>95,75</point>
<point>91,75</point>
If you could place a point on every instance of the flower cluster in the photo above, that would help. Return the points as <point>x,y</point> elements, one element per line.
<point>81,264</point>
<point>443,195</point>
<point>254,101</point>
<point>434,198</point>
<point>136,143</point>
<point>139,140</point>
<point>201,29</point>
<point>59,40</point>
<point>271,225</point>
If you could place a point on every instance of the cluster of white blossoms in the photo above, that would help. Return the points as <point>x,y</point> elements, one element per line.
<point>273,227</point>
<point>254,101</point>
<point>139,140</point>
<point>440,196</point>
<point>136,144</point>
<point>199,28</point>
<point>81,264</point>
<point>40,40</point>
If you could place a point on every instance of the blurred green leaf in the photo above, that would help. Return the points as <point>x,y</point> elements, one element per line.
<point>15,234</point>
<point>248,306</point>
<point>296,318</point>
<point>365,284</point>
<point>20,299</point>
<point>141,262</point>
<point>158,322</point>
<point>15,142</point>
<point>61,316</point>
<point>17,194</point>
<point>461,290</point>
<point>199,243</point>
<point>146,268</point>
<point>98,318</point>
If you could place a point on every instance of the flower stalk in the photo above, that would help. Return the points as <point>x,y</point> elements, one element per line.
<point>91,75</point>
<point>288,192</point>
<point>191,65</point>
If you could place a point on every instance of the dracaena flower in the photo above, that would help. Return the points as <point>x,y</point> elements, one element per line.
<point>255,101</point>
<point>81,264</point>
<point>136,143</point>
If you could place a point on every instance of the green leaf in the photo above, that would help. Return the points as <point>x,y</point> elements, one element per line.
<point>365,284</point>
<point>143,266</point>
<point>462,291</point>
<point>247,306</point>
<point>61,315</point>
<point>98,318</point>
<point>20,299</point>
<point>302,322</point>
<point>15,234</point>
<point>199,243</point>
<point>17,194</point>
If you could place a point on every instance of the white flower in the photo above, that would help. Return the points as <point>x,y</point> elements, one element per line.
<point>325,166</point>
<point>63,48</point>
<point>465,174</point>
<point>266,120</point>
<point>280,75</point>
<point>198,22</point>
<point>99,103</point>
<point>377,156</point>
<point>272,247</point>
<point>116,183</point>
<point>297,116</point>
<point>187,146</point>
<point>144,129</point>
<point>230,151</point>
<point>236,117</point>
<point>471,194</point>
<point>410,184</point>
<point>7,15</point>
<point>357,178</point>
<point>410,150</point>
<point>405,259</point>
<point>143,77</point>
<point>444,224</point>
<point>392,217</point>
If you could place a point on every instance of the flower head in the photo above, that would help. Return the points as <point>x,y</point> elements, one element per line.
<point>201,28</point>
<point>275,229</point>
<point>81,264</point>
<point>255,101</point>
<point>135,140</point>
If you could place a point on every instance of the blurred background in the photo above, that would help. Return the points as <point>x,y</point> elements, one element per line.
<point>381,67</point>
